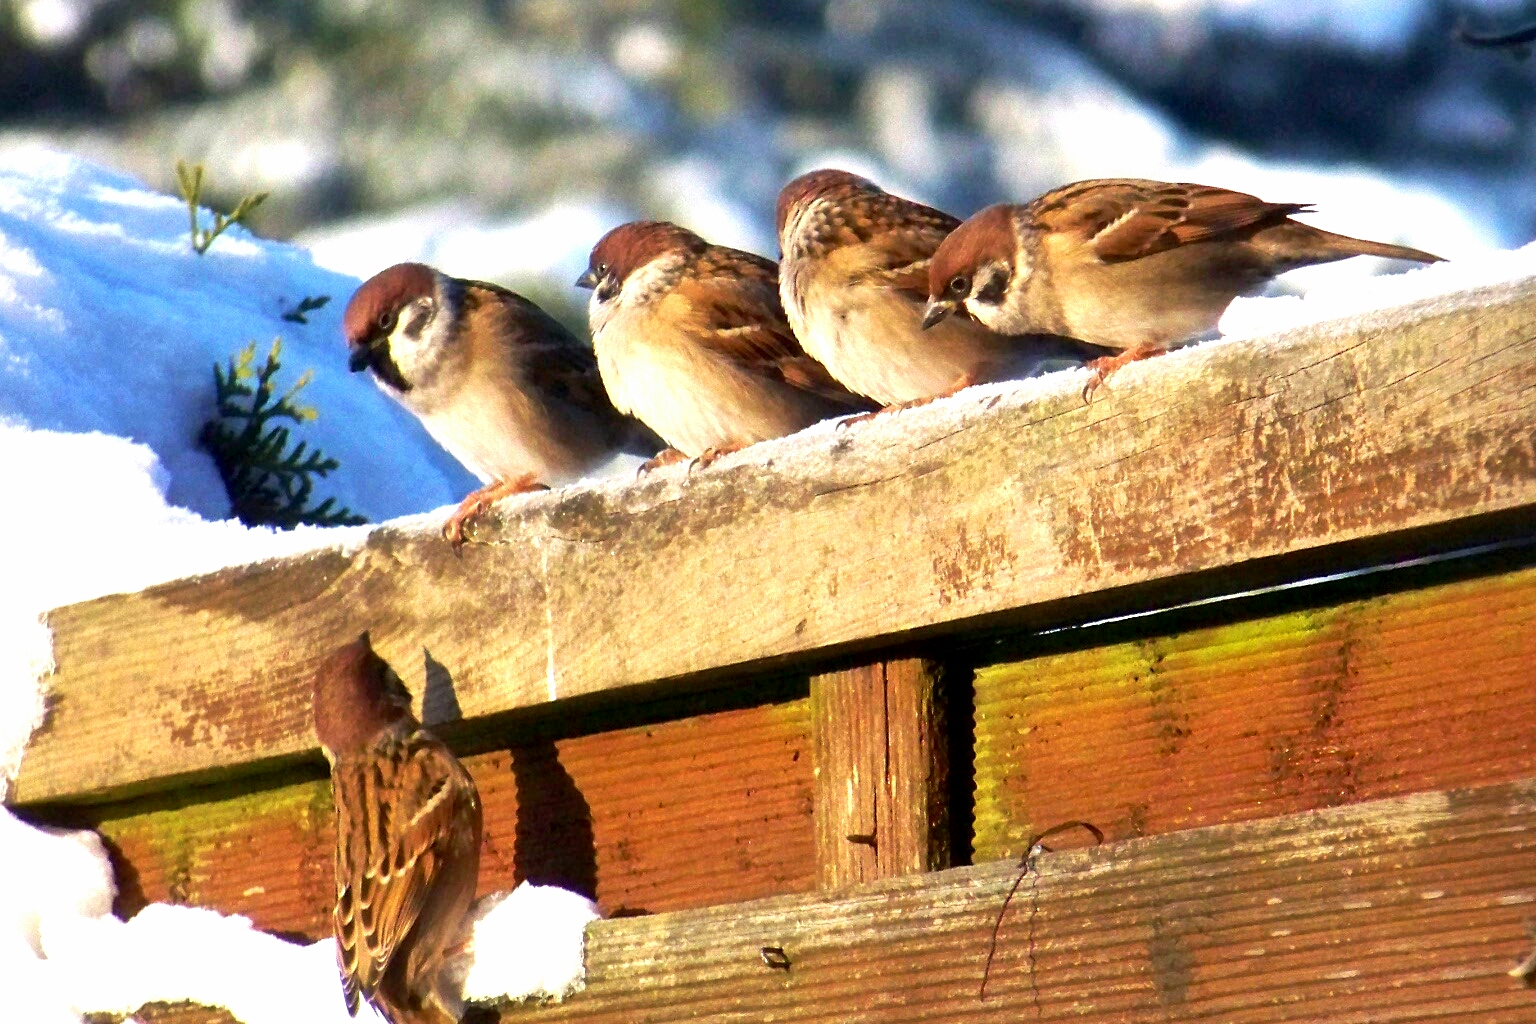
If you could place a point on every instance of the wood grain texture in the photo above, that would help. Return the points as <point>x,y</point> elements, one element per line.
<point>1399,910</point>
<point>1031,508</point>
<point>1425,690</point>
<point>882,782</point>
<point>710,809</point>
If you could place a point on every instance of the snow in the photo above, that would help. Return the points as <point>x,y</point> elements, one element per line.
<point>63,954</point>
<point>526,944</point>
<point>109,322</point>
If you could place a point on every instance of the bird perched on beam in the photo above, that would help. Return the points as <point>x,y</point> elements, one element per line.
<point>498,382</point>
<point>854,281</point>
<point>691,339</point>
<point>408,824</point>
<point>1131,265</point>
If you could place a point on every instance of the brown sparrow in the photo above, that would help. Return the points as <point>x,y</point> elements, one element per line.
<point>498,382</point>
<point>1127,264</point>
<point>407,840</point>
<point>691,339</point>
<point>854,280</point>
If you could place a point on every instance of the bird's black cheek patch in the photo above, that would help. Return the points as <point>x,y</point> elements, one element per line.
<point>607,288</point>
<point>991,290</point>
<point>387,370</point>
<point>417,320</point>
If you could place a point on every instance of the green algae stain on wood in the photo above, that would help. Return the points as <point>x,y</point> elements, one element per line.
<point>264,853</point>
<point>1274,715</point>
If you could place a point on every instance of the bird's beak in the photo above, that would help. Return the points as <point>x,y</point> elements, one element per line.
<point>359,360</point>
<point>937,310</point>
<point>587,280</point>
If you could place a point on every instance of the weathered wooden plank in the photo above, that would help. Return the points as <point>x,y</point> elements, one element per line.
<point>1032,509</point>
<point>1408,909</point>
<point>1396,910</point>
<point>711,809</point>
<point>882,772</point>
<point>1405,909</point>
<point>1424,690</point>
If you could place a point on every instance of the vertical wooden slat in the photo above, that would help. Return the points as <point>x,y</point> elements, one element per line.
<point>881,772</point>
<point>917,780</point>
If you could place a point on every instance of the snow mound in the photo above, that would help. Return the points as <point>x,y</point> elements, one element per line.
<point>109,322</point>
<point>63,954</point>
<point>525,944</point>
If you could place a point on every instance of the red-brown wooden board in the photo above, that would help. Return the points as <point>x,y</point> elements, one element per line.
<point>1429,689</point>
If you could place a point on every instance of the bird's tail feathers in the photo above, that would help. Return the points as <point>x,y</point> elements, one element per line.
<point>1333,246</point>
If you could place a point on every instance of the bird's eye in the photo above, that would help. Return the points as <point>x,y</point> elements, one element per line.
<point>959,284</point>
<point>386,321</point>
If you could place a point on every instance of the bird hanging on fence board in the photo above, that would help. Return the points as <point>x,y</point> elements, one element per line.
<point>498,382</point>
<point>854,282</point>
<point>691,340</point>
<point>1131,265</point>
<point>408,825</point>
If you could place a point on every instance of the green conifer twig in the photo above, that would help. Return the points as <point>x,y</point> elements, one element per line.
<point>267,483</point>
<point>189,181</point>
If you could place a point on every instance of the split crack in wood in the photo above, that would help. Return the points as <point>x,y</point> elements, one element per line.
<point>1026,869</point>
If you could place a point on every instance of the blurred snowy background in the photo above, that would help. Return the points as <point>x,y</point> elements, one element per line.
<point>500,138</point>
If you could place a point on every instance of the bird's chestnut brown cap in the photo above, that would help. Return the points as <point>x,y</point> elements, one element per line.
<point>356,694</point>
<point>631,246</point>
<point>374,306</point>
<point>986,237</point>
<point>829,182</point>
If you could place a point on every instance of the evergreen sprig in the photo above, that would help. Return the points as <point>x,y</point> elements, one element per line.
<point>267,483</point>
<point>189,179</point>
<point>300,314</point>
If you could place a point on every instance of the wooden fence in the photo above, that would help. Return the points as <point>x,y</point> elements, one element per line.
<point>818,697</point>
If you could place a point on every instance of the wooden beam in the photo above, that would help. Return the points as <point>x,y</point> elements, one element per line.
<point>882,772</point>
<point>1411,908</point>
<point>1425,690</point>
<point>1032,508</point>
<point>1406,909</point>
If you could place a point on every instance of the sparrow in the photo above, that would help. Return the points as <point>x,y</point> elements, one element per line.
<point>691,340</point>
<point>496,381</point>
<point>1130,265</point>
<point>408,827</point>
<point>854,282</point>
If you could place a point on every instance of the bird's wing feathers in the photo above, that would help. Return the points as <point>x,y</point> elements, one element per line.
<point>1129,219</point>
<point>733,299</point>
<point>547,352</point>
<point>410,800</point>
<point>568,370</point>
<point>904,255</point>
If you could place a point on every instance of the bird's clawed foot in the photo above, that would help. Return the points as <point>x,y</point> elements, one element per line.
<point>484,498</point>
<point>665,457</point>
<point>710,454</point>
<point>1100,369</point>
<point>671,457</point>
